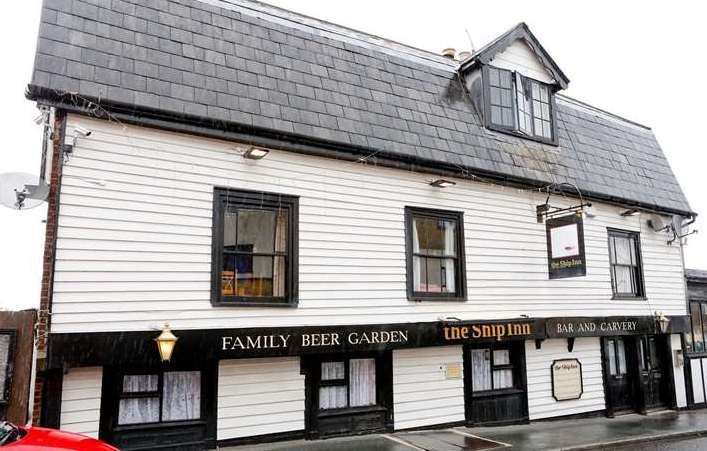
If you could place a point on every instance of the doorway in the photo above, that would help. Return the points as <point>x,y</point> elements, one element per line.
<point>495,384</point>
<point>636,373</point>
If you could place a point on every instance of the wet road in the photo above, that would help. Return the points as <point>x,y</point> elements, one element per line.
<point>690,444</point>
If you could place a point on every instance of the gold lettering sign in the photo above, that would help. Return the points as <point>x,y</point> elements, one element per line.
<point>498,331</point>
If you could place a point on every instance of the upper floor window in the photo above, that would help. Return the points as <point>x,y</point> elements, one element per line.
<point>518,104</point>
<point>435,254</point>
<point>254,248</point>
<point>625,259</point>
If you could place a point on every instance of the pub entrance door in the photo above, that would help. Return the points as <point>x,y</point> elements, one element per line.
<point>653,370</point>
<point>636,373</point>
<point>620,374</point>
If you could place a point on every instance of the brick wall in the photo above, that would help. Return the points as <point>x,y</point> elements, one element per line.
<point>45,299</point>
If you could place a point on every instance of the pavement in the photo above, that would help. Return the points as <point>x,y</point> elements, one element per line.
<point>660,431</point>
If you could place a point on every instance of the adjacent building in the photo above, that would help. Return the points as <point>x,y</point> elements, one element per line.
<point>17,346</point>
<point>344,234</point>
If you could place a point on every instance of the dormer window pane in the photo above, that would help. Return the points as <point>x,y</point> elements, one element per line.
<point>501,97</point>
<point>541,111</point>
<point>518,104</point>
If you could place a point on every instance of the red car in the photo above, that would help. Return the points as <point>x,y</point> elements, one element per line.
<point>16,438</point>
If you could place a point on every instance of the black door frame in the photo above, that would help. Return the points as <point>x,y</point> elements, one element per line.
<point>639,387</point>
<point>519,375</point>
<point>310,367</point>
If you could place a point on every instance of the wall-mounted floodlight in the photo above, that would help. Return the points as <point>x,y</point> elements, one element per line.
<point>255,153</point>
<point>442,183</point>
<point>630,212</point>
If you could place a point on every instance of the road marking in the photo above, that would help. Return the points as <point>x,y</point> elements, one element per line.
<point>479,437</point>
<point>403,442</point>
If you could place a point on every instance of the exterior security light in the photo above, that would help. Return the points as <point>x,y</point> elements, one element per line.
<point>662,321</point>
<point>255,153</point>
<point>631,212</point>
<point>442,183</point>
<point>165,343</point>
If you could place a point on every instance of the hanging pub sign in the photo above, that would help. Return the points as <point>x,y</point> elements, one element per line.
<point>565,246</point>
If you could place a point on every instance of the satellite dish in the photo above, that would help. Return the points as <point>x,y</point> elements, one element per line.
<point>21,191</point>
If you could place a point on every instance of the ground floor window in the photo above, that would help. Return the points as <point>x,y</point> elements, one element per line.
<point>347,383</point>
<point>491,369</point>
<point>616,356</point>
<point>160,397</point>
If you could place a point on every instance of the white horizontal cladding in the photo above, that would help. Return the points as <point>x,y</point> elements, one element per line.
<point>259,396</point>
<point>81,401</point>
<point>541,403</point>
<point>422,394</point>
<point>519,57</point>
<point>134,240</point>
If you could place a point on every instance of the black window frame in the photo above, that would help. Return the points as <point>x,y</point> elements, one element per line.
<point>159,393</point>
<point>613,342</point>
<point>514,130</point>
<point>346,381</point>
<point>225,198</point>
<point>516,366</point>
<point>640,293</point>
<point>9,367</point>
<point>460,293</point>
<point>701,305</point>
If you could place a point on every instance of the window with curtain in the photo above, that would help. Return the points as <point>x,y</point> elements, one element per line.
<point>518,104</point>
<point>624,257</point>
<point>6,343</point>
<point>616,355</point>
<point>160,397</point>
<point>254,247</point>
<point>491,369</point>
<point>695,338</point>
<point>347,383</point>
<point>435,254</point>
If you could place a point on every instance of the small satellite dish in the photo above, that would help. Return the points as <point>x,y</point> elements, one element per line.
<point>21,191</point>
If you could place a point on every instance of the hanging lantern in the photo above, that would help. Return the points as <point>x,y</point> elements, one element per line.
<point>165,343</point>
<point>662,321</point>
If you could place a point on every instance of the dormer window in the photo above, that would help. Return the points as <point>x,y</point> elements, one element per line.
<point>518,104</point>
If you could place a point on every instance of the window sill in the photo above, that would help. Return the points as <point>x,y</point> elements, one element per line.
<point>166,425</point>
<point>507,131</point>
<point>350,411</point>
<point>618,297</point>
<point>499,392</point>
<point>437,299</point>
<point>245,302</point>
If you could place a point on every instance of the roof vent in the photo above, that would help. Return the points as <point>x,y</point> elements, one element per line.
<point>449,53</point>
<point>463,55</point>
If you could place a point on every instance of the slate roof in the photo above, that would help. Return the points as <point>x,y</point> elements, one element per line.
<point>271,69</point>
<point>696,275</point>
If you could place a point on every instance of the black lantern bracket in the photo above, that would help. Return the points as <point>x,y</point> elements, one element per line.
<point>546,210</point>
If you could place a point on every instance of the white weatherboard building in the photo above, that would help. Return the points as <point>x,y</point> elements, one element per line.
<point>345,234</point>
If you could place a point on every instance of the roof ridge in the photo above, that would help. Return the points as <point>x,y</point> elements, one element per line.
<point>359,37</point>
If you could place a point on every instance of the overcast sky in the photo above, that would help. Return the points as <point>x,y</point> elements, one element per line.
<point>642,60</point>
